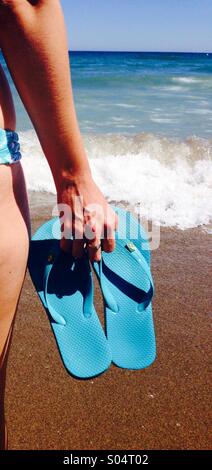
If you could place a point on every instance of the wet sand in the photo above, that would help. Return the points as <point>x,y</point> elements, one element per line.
<point>166,406</point>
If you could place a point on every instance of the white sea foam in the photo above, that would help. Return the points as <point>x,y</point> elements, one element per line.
<point>174,88</point>
<point>188,80</point>
<point>118,119</point>
<point>125,105</point>
<point>171,179</point>
<point>164,120</point>
<point>202,111</point>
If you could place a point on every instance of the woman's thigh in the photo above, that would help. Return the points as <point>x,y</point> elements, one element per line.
<point>14,244</point>
<point>14,224</point>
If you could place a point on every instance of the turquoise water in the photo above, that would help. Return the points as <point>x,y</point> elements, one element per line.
<point>146,120</point>
<point>162,93</point>
<point>170,94</point>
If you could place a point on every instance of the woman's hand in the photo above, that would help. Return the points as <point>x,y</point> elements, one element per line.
<point>85,215</point>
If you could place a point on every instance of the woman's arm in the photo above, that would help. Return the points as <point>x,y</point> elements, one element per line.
<point>34,43</point>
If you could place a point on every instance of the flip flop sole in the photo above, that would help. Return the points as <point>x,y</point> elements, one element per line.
<point>81,341</point>
<point>130,332</point>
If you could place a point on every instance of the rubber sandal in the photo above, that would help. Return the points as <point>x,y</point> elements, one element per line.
<point>65,288</point>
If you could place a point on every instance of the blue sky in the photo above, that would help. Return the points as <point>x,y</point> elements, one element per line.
<point>139,25</point>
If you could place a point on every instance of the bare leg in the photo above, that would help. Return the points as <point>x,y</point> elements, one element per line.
<point>14,244</point>
<point>3,367</point>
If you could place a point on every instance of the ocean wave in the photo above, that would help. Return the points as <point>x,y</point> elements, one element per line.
<point>173,88</point>
<point>125,105</point>
<point>189,80</point>
<point>171,179</point>
<point>162,120</point>
<point>202,111</point>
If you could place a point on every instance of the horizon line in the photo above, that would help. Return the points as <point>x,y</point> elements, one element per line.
<point>139,51</point>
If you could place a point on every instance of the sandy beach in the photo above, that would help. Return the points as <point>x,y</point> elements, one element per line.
<point>166,406</point>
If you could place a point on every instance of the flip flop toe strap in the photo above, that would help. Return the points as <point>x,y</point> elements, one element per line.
<point>136,256</point>
<point>88,291</point>
<point>48,269</point>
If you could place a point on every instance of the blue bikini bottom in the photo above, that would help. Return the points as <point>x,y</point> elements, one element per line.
<point>9,147</point>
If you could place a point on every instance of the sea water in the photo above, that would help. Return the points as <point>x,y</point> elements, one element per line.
<point>146,120</point>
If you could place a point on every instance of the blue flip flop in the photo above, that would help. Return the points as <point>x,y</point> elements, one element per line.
<point>130,228</point>
<point>65,287</point>
<point>127,287</point>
